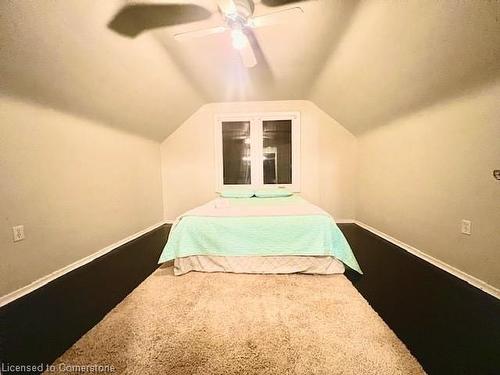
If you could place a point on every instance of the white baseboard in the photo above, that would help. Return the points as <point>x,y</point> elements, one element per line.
<point>345,221</point>
<point>480,284</point>
<point>8,298</point>
<point>4,300</point>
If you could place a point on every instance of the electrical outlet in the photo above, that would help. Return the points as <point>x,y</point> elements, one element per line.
<point>18,232</point>
<point>466,227</point>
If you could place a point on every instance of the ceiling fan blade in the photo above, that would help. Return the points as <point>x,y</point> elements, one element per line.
<point>261,72</point>
<point>199,33</point>
<point>277,3</point>
<point>274,18</point>
<point>247,55</point>
<point>133,19</point>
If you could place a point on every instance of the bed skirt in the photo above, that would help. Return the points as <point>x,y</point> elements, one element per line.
<point>322,265</point>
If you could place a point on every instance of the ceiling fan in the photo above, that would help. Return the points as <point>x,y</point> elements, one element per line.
<point>240,22</point>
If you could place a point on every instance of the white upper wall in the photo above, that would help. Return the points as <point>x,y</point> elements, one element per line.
<point>420,175</point>
<point>328,158</point>
<point>367,64</point>
<point>77,186</point>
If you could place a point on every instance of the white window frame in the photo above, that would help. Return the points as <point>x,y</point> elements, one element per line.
<point>256,148</point>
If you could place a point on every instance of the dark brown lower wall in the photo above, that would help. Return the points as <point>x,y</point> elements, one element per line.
<point>450,326</point>
<point>38,327</point>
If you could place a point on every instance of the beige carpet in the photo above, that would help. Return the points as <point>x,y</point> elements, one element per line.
<point>243,324</point>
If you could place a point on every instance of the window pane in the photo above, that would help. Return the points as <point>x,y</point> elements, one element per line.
<point>236,152</point>
<point>277,151</point>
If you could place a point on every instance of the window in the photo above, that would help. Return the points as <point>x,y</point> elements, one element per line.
<point>277,139</point>
<point>236,152</point>
<point>258,150</point>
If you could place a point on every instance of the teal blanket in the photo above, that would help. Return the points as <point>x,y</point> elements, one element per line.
<point>258,236</point>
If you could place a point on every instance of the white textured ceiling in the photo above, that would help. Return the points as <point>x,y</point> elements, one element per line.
<point>60,53</point>
<point>364,63</point>
<point>397,57</point>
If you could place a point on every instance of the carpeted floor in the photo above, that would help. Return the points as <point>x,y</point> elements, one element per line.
<point>243,324</point>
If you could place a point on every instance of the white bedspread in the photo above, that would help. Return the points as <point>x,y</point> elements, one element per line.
<point>241,207</point>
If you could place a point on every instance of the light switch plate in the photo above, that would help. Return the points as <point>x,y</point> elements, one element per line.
<point>18,232</point>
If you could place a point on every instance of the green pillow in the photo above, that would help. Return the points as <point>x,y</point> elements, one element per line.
<point>273,193</point>
<point>237,193</point>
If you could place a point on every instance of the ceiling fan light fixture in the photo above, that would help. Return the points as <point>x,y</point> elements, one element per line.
<point>239,20</point>
<point>239,39</point>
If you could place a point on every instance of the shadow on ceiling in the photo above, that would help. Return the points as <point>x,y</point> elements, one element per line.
<point>134,19</point>
<point>277,3</point>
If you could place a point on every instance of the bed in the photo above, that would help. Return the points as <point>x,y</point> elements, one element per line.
<point>258,235</point>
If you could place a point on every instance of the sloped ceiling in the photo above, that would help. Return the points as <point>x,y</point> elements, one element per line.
<point>362,62</point>
<point>60,53</point>
<point>397,57</point>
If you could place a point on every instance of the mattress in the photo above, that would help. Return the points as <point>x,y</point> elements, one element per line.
<point>320,265</point>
